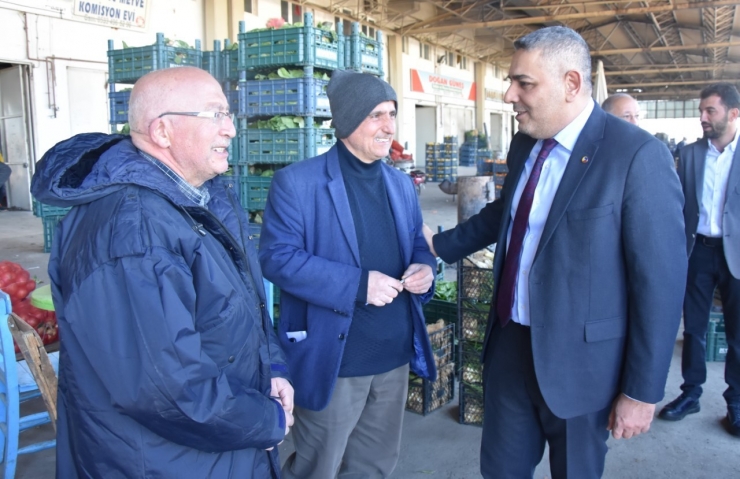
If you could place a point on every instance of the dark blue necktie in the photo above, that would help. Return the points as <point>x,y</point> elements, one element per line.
<point>505,299</point>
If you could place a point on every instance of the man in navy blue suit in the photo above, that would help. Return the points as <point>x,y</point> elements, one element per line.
<point>589,271</point>
<point>342,238</point>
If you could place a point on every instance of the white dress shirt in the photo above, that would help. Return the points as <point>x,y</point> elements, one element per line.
<point>547,186</point>
<point>714,189</point>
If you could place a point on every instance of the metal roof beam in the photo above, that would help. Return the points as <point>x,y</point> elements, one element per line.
<point>576,16</point>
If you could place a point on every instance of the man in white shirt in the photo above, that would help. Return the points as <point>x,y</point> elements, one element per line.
<point>710,175</point>
<point>589,271</point>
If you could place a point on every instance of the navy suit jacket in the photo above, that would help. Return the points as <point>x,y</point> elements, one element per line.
<point>607,281</point>
<point>691,163</point>
<point>308,248</point>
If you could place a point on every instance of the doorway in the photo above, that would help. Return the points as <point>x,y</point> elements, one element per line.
<point>496,134</point>
<point>14,134</point>
<point>426,131</point>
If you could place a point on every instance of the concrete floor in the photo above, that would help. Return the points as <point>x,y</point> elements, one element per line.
<point>437,445</point>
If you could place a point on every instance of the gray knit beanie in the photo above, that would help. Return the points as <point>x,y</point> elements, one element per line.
<point>352,97</point>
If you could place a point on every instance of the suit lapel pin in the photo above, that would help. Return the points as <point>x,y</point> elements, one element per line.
<point>584,159</point>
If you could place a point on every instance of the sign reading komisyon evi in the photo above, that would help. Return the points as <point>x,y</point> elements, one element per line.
<point>128,14</point>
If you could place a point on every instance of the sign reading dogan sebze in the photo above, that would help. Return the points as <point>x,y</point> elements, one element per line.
<point>128,14</point>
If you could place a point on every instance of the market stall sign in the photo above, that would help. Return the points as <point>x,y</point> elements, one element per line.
<point>128,14</point>
<point>434,84</point>
<point>494,95</point>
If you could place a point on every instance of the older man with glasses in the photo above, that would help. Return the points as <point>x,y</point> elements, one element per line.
<point>170,367</point>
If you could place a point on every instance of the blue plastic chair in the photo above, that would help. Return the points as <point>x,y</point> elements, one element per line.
<point>16,385</point>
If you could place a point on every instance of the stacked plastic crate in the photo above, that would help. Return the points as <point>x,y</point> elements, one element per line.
<point>494,167</point>
<point>475,290</point>
<point>441,160</point>
<point>280,111</point>
<point>127,65</point>
<point>50,216</point>
<point>716,338</point>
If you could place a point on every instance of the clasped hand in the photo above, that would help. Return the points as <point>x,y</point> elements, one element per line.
<point>383,289</point>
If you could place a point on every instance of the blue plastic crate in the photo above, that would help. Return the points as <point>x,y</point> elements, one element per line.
<point>129,64</point>
<point>235,151</point>
<point>118,102</point>
<point>230,62</point>
<point>213,61</point>
<point>42,210</point>
<point>259,146</point>
<point>253,192</point>
<point>296,46</point>
<point>232,96</point>
<point>295,96</point>
<point>363,54</point>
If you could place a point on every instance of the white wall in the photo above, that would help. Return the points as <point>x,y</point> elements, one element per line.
<point>56,41</point>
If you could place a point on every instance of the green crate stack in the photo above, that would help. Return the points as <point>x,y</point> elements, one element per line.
<point>50,216</point>
<point>475,291</point>
<point>441,160</point>
<point>128,64</point>
<point>259,152</point>
<point>716,338</point>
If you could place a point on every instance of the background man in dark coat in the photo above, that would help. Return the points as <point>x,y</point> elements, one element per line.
<point>588,271</point>
<point>342,238</point>
<point>710,175</point>
<point>168,363</point>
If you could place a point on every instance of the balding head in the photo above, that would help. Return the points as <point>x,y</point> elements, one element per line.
<point>193,146</point>
<point>623,106</point>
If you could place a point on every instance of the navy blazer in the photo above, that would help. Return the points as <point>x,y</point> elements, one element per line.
<point>607,281</point>
<point>691,162</point>
<point>308,248</point>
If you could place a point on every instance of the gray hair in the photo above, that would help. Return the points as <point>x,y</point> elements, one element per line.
<point>563,48</point>
<point>608,105</point>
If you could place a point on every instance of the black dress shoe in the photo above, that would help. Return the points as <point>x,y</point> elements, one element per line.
<point>680,407</point>
<point>733,418</point>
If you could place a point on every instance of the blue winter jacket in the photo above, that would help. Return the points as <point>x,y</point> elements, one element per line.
<point>167,350</point>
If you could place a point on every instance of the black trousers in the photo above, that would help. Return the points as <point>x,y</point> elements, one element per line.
<point>517,422</point>
<point>707,271</point>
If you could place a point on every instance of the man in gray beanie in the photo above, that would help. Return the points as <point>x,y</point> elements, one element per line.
<point>342,239</point>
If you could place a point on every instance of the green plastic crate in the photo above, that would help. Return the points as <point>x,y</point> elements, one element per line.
<point>297,46</point>
<point>213,61</point>
<point>437,309</point>
<point>230,62</point>
<point>716,338</point>
<point>363,54</point>
<point>259,146</point>
<point>253,192</point>
<point>42,210</point>
<point>50,226</point>
<point>129,64</point>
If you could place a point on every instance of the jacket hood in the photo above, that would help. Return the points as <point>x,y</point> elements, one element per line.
<point>93,165</point>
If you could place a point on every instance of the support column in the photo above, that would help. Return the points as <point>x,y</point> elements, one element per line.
<point>480,95</point>
<point>395,79</point>
<point>216,21</point>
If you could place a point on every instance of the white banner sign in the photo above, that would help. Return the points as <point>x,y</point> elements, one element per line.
<point>128,14</point>
<point>424,82</point>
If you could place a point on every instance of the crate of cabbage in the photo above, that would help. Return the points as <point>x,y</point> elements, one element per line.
<point>285,92</point>
<point>118,103</point>
<point>475,277</point>
<point>362,53</point>
<point>282,140</point>
<point>299,44</point>
<point>129,64</point>
<point>253,189</point>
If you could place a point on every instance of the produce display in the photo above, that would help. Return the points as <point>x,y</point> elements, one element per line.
<point>18,284</point>
<point>426,396</point>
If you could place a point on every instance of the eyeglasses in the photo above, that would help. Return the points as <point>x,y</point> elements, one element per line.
<point>216,116</point>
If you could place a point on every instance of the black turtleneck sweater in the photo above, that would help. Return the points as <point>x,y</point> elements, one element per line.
<point>380,339</point>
